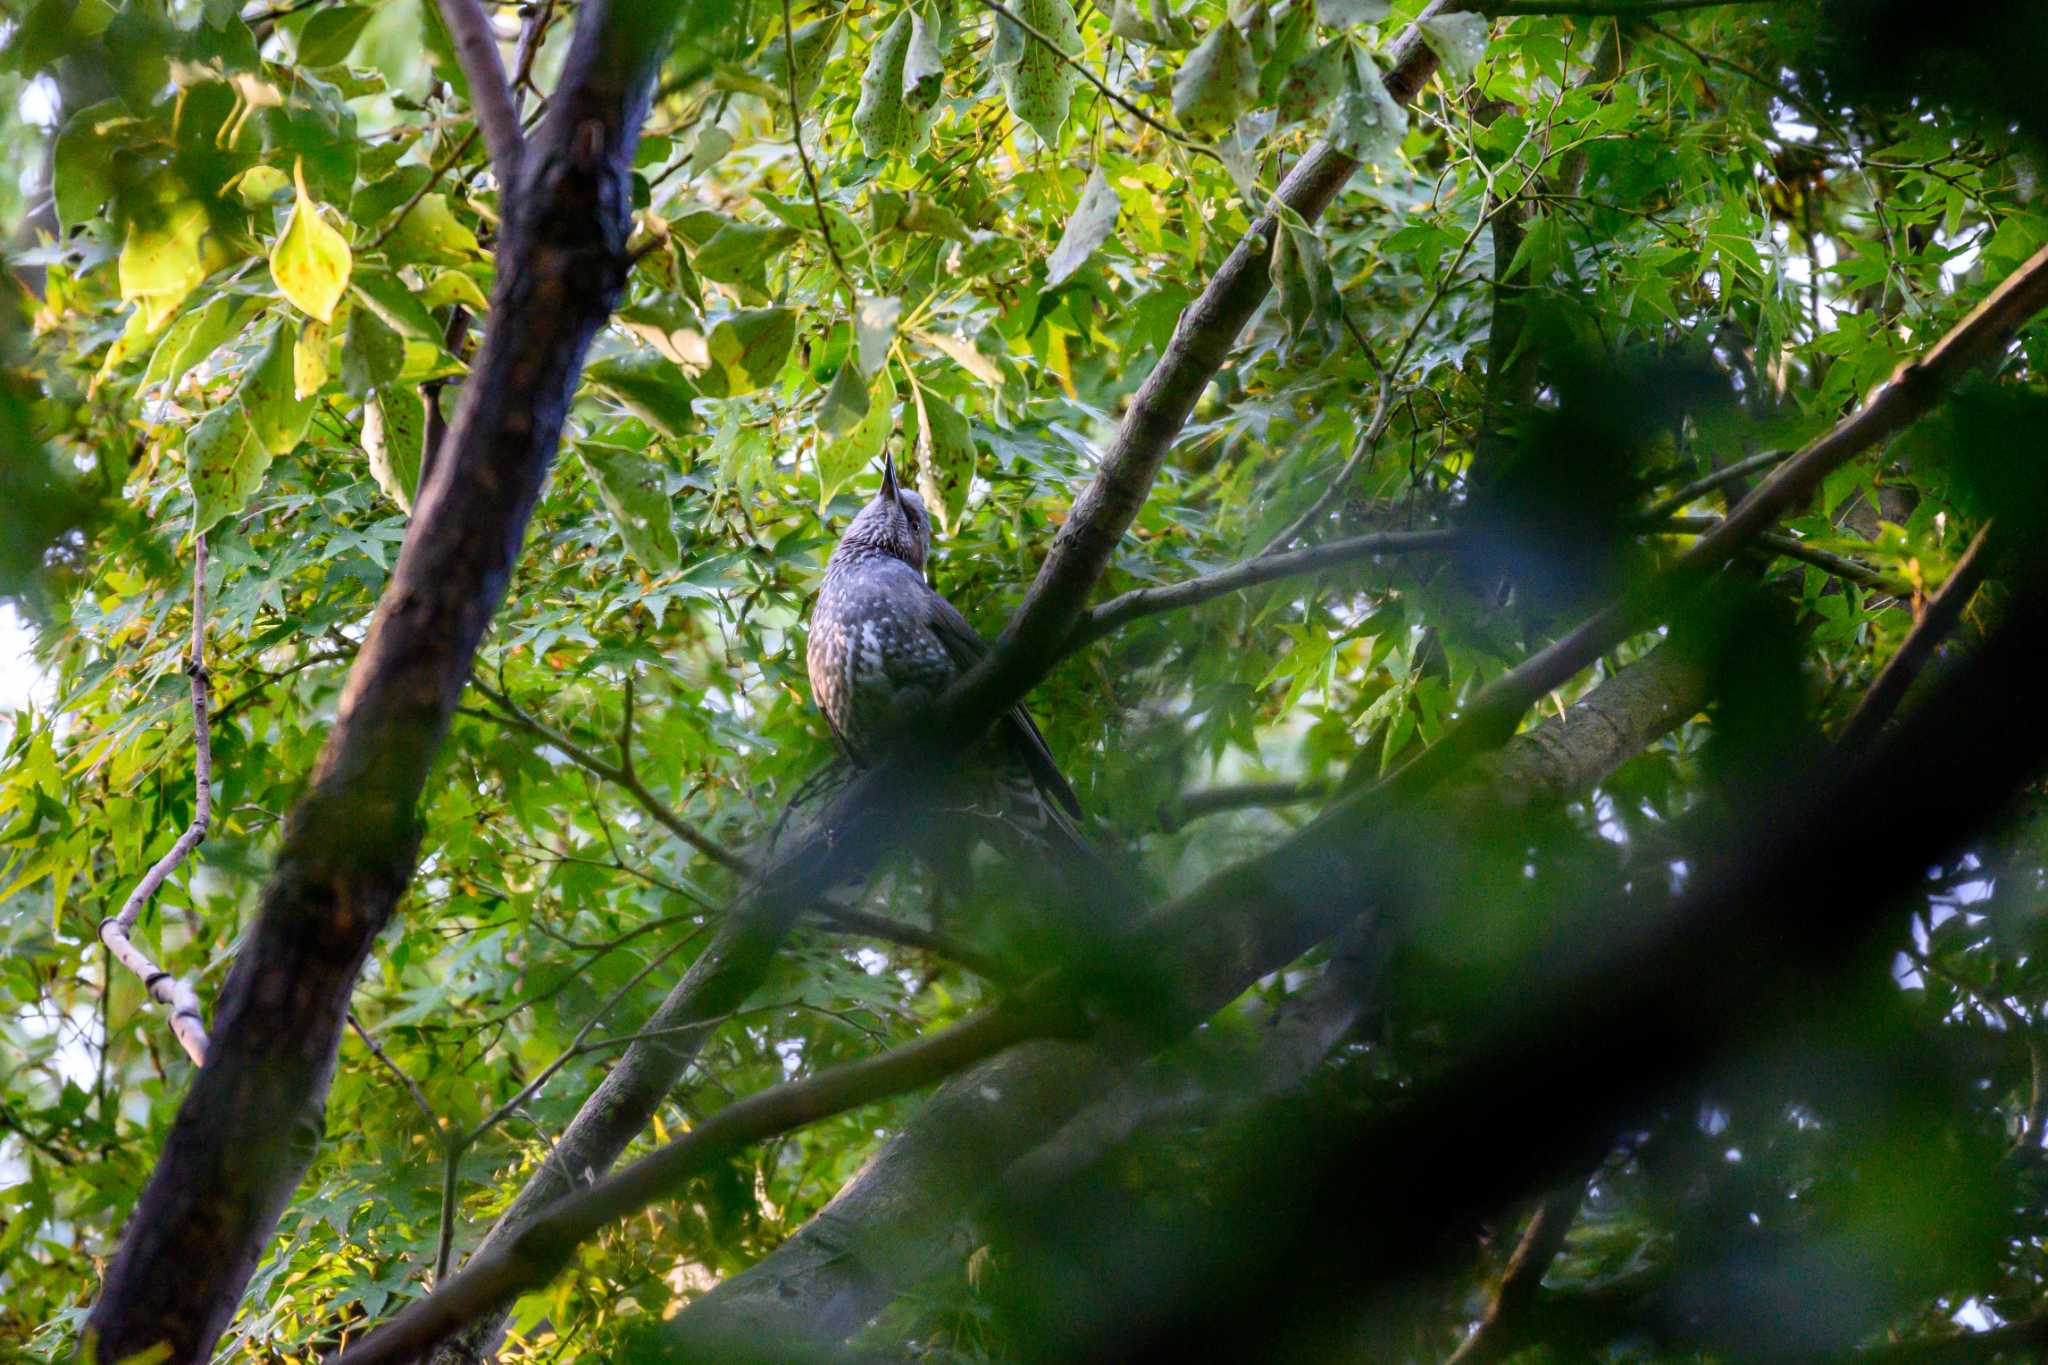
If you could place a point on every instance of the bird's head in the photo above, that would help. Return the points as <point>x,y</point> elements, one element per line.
<point>895,523</point>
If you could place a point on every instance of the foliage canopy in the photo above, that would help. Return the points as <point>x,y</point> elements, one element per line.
<point>1599,261</point>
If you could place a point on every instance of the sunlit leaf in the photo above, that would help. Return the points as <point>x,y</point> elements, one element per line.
<point>1215,82</point>
<point>224,463</point>
<point>945,457</point>
<point>1094,219</point>
<point>842,458</point>
<point>635,491</point>
<point>311,260</point>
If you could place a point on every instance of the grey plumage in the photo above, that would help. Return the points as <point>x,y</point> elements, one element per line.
<point>884,646</point>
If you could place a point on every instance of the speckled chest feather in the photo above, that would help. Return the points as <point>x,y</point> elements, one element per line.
<point>875,661</point>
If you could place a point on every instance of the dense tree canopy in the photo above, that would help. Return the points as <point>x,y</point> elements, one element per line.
<point>1527,528</point>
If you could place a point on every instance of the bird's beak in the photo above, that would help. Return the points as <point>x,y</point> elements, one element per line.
<point>888,476</point>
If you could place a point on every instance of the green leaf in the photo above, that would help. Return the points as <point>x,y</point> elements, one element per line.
<point>394,435</point>
<point>749,348</point>
<point>396,304</point>
<point>1314,81</point>
<point>224,463</point>
<point>814,45</point>
<point>268,393</point>
<point>1367,124</point>
<point>160,260</point>
<point>432,232</point>
<point>1301,272</point>
<point>453,287</point>
<point>874,327</point>
<point>650,386</point>
<point>924,65</point>
<point>742,455</point>
<point>846,402</point>
<point>311,260</point>
<point>1037,84</point>
<point>1350,13</point>
<point>945,457</point>
<point>330,34</point>
<point>1459,40</point>
<point>738,252</point>
<point>1215,83</point>
<point>192,338</point>
<point>888,123</point>
<point>1094,219</point>
<point>309,359</point>
<point>83,161</point>
<point>840,460</point>
<point>260,185</point>
<point>371,354</point>
<point>634,490</point>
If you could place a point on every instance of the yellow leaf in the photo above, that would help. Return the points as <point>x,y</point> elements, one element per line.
<point>309,360</point>
<point>311,260</point>
<point>160,261</point>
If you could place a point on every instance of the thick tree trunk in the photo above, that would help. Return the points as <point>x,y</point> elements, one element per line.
<point>246,1132</point>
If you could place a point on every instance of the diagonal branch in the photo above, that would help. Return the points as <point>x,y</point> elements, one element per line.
<point>1119,611</point>
<point>117,931</point>
<point>1531,1259</point>
<point>1914,389</point>
<point>531,1258</point>
<point>490,95</point>
<point>1940,618</point>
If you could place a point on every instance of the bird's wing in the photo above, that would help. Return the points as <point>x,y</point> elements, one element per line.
<point>965,647</point>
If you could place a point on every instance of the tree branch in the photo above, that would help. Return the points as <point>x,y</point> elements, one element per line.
<point>1789,547</point>
<point>894,1223</point>
<point>1912,391</point>
<point>1585,1042</point>
<point>1541,1242</point>
<point>1939,619</point>
<point>188,1025</point>
<point>869,814</point>
<point>529,1259</point>
<point>1121,610</point>
<point>490,95</point>
<point>243,1134</point>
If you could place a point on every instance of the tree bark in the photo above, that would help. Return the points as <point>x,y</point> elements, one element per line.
<point>246,1131</point>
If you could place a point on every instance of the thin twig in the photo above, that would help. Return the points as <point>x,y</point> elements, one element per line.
<point>1368,442</point>
<point>531,36</point>
<point>117,931</point>
<point>1541,1242</point>
<point>796,132</point>
<point>425,188</point>
<point>490,96</point>
<point>509,713</point>
<point>1080,68</point>
<point>1709,482</point>
<point>1937,621</point>
<point>1264,568</point>
<point>869,925</point>
<point>1841,566</point>
<point>419,1096</point>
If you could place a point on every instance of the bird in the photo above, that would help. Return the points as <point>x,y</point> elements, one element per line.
<point>884,646</point>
